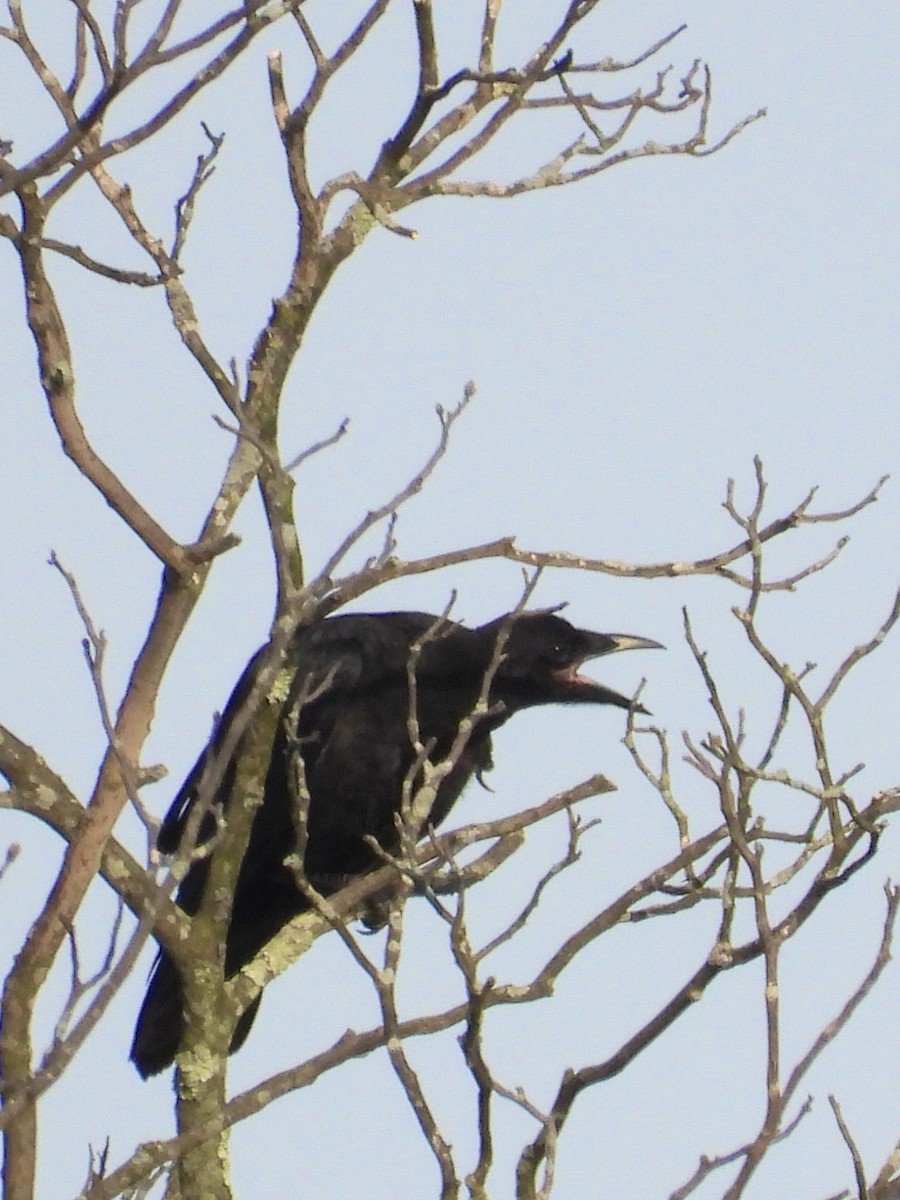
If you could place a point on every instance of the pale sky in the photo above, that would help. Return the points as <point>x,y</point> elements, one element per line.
<point>635,340</point>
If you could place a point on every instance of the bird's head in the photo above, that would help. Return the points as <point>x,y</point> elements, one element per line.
<point>543,656</point>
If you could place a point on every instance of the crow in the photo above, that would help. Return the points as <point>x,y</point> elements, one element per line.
<point>357,687</point>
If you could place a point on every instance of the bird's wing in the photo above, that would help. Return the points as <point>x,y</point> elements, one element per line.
<point>172,828</point>
<point>330,663</point>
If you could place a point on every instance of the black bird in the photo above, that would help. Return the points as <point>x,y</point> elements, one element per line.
<point>346,712</point>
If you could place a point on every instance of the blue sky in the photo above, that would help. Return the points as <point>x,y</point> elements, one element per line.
<point>635,341</point>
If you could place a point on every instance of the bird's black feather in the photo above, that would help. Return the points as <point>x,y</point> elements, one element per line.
<point>346,712</point>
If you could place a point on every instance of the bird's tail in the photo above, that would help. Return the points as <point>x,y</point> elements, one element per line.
<point>160,1023</point>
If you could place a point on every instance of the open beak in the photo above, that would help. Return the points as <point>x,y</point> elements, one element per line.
<point>599,644</point>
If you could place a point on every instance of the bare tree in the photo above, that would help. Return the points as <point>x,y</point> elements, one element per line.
<point>760,866</point>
